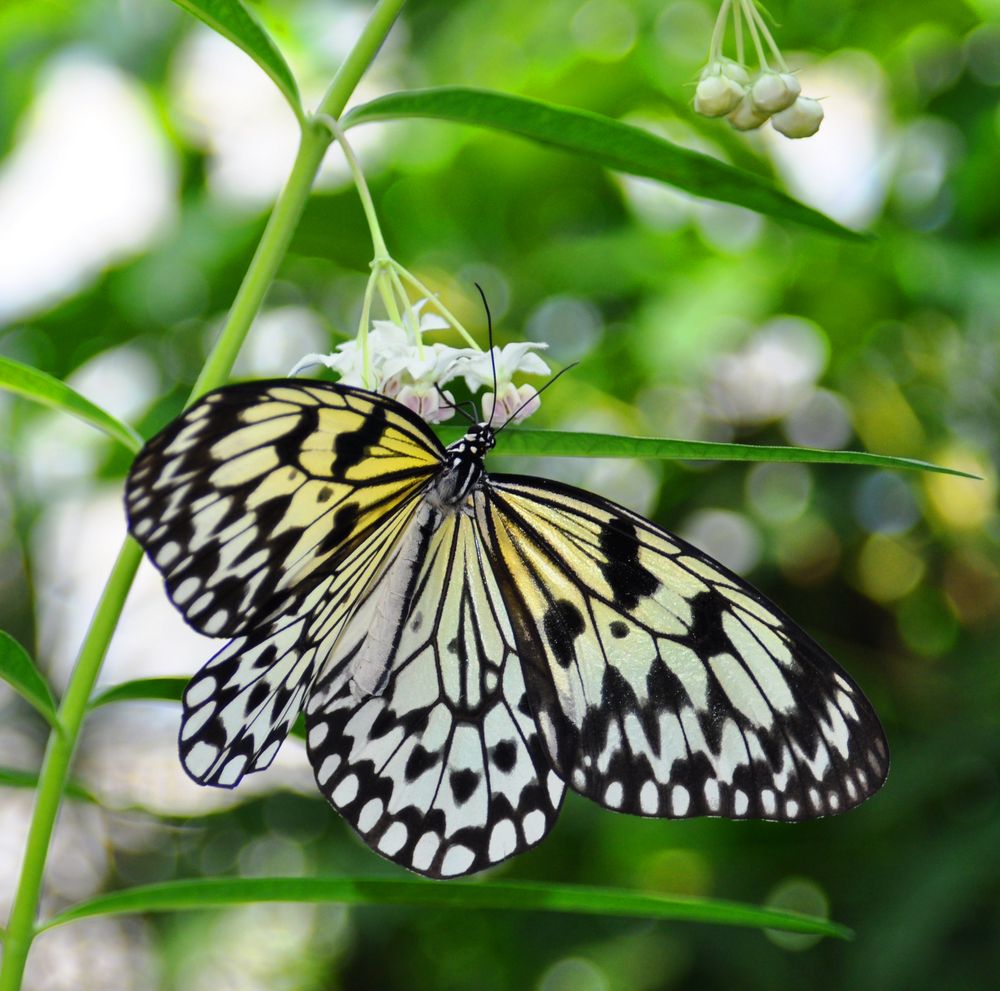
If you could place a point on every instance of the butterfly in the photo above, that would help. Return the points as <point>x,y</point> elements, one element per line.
<point>465,646</point>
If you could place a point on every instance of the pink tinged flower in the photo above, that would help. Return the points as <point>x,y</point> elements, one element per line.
<point>512,405</point>
<point>498,367</point>
<point>427,402</point>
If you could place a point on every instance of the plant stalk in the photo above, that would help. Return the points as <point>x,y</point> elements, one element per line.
<point>263,267</point>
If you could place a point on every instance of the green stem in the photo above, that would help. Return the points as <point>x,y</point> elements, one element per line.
<point>456,324</point>
<point>751,18</point>
<point>263,267</point>
<point>364,194</point>
<point>719,33</point>
<point>55,766</point>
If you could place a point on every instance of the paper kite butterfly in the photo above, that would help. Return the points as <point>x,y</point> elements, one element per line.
<point>464,645</point>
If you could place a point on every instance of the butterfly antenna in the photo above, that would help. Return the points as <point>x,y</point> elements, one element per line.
<point>489,332</point>
<point>451,405</point>
<point>531,399</point>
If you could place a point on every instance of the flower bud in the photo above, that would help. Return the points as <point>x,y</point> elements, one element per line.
<point>746,117</point>
<point>773,91</point>
<point>726,67</point>
<point>800,120</point>
<point>717,95</point>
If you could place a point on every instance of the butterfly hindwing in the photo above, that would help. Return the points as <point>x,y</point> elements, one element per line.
<point>257,490</point>
<point>440,769</point>
<point>662,684</point>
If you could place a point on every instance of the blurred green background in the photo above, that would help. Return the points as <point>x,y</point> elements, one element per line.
<point>139,156</point>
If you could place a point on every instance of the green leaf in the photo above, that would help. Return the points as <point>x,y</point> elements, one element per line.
<point>10,778</point>
<point>142,690</point>
<point>219,892</point>
<point>616,145</point>
<point>233,21</point>
<point>19,671</point>
<point>570,444</point>
<point>43,388</point>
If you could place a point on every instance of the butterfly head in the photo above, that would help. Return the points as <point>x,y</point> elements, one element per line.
<point>479,439</point>
<point>464,467</point>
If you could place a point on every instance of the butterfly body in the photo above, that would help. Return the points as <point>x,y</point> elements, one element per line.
<point>465,645</point>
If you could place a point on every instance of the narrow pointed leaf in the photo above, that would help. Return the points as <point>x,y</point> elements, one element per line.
<point>234,21</point>
<point>11,778</point>
<point>462,895</point>
<point>142,690</point>
<point>572,444</point>
<point>19,671</point>
<point>615,145</point>
<point>49,391</point>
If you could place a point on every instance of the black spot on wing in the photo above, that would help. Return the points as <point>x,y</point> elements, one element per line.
<point>344,522</point>
<point>562,624</point>
<point>504,756</point>
<point>289,445</point>
<point>351,447</point>
<point>464,784</point>
<point>630,582</point>
<point>257,695</point>
<point>707,635</point>
<point>419,761</point>
<point>618,629</point>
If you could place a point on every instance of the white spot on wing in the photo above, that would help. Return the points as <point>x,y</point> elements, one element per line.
<point>534,826</point>
<point>233,770</point>
<point>327,768</point>
<point>423,852</point>
<point>370,814</point>
<point>393,839</point>
<point>200,758</point>
<point>457,860</point>
<point>199,690</point>
<point>346,791</point>
<point>503,840</point>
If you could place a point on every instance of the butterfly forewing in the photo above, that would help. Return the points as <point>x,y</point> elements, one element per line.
<point>663,685</point>
<point>441,770</point>
<point>240,706</point>
<point>257,490</point>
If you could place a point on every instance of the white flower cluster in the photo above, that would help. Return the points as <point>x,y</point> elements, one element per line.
<point>392,358</point>
<point>726,88</point>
